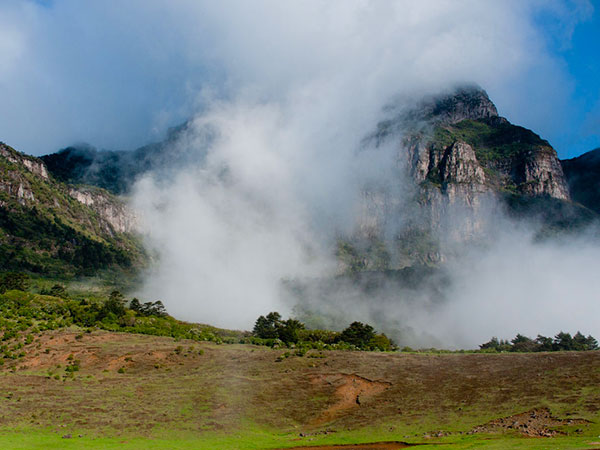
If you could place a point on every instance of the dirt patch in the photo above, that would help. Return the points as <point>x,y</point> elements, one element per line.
<point>375,445</point>
<point>534,423</point>
<point>351,391</point>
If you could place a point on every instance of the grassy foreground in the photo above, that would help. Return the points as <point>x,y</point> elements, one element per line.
<point>139,391</point>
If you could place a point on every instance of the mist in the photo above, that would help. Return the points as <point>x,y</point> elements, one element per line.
<point>263,203</point>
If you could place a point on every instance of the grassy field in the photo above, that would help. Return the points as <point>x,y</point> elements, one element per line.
<point>119,390</point>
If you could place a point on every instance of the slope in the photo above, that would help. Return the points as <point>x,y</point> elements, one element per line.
<point>50,228</point>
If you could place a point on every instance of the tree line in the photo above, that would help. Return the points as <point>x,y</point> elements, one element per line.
<point>561,342</point>
<point>272,327</point>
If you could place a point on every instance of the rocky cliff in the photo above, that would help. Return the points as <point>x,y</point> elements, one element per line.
<point>464,163</point>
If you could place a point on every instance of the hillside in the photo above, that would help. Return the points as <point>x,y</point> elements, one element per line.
<point>583,176</point>
<point>50,228</point>
<point>135,391</point>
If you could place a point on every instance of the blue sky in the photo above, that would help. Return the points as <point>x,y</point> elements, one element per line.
<point>582,58</point>
<point>118,75</point>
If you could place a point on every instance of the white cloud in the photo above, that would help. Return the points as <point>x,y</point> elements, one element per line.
<point>108,73</point>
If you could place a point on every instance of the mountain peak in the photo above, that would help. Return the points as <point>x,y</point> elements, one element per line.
<point>467,101</point>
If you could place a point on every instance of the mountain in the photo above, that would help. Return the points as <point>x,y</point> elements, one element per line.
<point>583,178</point>
<point>468,167</point>
<point>52,228</point>
<point>464,160</point>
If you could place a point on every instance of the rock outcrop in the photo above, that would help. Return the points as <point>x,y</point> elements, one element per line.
<point>121,218</point>
<point>465,102</point>
<point>34,165</point>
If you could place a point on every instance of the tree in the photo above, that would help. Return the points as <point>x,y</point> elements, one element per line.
<point>267,327</point>
<point>288,330</point>
<point>563,341</point>
<point>158,309</point>
<point>358,334</point>
<point>579,341</point>
<point>492,344</point>
<point>523,344</point>
<point>591,343</point>
<point>115,305</point>
<point>13,281</point>
<point>148,309</point>
<point>544,344</point>
<point>135,305</point>
<point>58,290</point>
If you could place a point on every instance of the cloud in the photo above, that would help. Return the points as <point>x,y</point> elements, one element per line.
<point>117,75</point>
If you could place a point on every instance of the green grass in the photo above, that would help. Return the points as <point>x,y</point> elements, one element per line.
<point>254,438</point>
<point>492,142</point>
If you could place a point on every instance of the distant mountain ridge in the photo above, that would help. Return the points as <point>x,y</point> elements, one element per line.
<point>583,177</point>
<point>117,171</point>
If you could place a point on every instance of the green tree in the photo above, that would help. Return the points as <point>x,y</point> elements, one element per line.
<point>13,281</point>
<point>114,305</point>
<point>358,334</point>
<point>523,344</point>
<point>267,327</point>
<point>591,343</point>
<point>563,341</point>
<point>381,342</point>
<point>135,305</point>
<point>492,344</point>
<point>544,344</point>
<point>288,330</point>
<point>579,341</point>
<point>58,290</point>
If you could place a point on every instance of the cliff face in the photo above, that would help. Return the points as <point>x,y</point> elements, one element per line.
<point>32,164</point>
<point>515,159</point>
<point>49,227</point>
<point>464,161</point>
<point>115,212</point>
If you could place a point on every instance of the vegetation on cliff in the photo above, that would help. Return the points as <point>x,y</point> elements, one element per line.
<point>44,230</point>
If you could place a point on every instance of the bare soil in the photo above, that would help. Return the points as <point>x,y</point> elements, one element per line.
<point>351,391</point>
<point>534,423</point>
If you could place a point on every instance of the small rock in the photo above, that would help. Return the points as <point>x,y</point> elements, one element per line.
<point>67,436</point>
